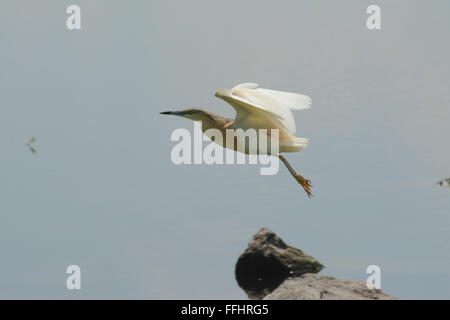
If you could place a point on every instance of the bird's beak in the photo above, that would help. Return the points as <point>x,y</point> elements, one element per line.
<point>175,113</point>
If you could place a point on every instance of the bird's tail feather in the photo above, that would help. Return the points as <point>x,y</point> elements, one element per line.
<point>293,145</point>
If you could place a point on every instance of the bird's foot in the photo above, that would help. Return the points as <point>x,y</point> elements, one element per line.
<point>305,183</point>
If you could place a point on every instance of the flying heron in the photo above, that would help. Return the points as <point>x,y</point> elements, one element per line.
<point>258,108</point>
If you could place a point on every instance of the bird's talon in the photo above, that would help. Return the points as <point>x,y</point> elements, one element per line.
<point>305,183</point>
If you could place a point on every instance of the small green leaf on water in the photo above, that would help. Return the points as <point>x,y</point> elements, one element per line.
<point>28,144</point>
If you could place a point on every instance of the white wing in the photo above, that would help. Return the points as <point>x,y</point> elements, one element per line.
<point>249,85</point>
<point>260,108</point>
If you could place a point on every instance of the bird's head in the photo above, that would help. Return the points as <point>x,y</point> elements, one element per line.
<point>193,114</point>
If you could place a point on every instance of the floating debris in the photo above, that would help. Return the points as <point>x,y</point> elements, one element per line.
<point>445,183</point>
<point>28,144</point>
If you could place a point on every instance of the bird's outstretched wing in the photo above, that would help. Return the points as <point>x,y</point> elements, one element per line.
<point>260,108</point>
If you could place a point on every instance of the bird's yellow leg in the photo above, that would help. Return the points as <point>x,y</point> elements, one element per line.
<point>305,183</point>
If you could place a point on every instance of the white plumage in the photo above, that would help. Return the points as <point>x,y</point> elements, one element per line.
<point>260,108</point>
